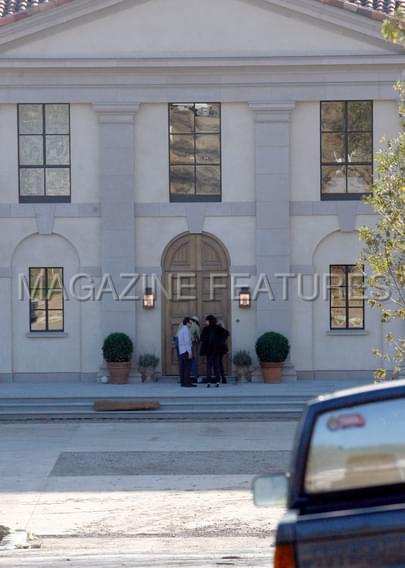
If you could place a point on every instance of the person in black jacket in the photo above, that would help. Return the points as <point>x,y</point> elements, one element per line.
<point>224,350</point>
<point>211,347</point>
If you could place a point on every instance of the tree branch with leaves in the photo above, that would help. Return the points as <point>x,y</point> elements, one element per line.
<point>384,244</point>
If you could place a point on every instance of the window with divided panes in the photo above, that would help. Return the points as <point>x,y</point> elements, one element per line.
<point>46,299</point>
<point>195,151</point>
<point>44,152</point>
<point>346,296</point>
<point>346,149</point>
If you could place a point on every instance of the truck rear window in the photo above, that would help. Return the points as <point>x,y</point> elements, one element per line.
<point>357,447</point>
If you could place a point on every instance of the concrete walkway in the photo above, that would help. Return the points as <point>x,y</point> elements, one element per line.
<point>106,494</point>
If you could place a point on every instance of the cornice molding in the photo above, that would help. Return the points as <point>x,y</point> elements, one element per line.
<point>159,88</point>
<point>335,208</point>
<point>63,211</point>
<point>92,210</point>
<point>65,87</point>
<point>209,62</point>
<point>116,113</point>
<point>222,209</point>
<point>272,112</point>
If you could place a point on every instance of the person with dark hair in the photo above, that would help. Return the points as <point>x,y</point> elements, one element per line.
<point>211,340</point>
<point>185,353</point>
<point>224,350</point>
<point>195,338</point>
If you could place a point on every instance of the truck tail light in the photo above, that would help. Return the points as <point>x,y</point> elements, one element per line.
<point>284,556</point>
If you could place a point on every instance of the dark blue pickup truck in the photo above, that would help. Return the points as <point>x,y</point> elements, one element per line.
<point>345,491</point>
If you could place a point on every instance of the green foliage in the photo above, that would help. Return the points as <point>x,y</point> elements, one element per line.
<point>148,360</point>
<point>393,28</point>
<point>117,348</point>
<point>384,244</point>
<point>242,358</point>
<point>272,347</point>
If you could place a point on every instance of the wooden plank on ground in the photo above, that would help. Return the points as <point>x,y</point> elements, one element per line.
<point>104,405</point>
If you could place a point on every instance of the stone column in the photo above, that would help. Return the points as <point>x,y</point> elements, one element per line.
<point>117,191</point>
<point>6,324</point>
<point>272,181</point>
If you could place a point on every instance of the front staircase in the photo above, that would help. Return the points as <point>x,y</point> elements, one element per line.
<point>252,401</point>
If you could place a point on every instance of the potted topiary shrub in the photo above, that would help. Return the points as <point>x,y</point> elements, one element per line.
<point>117,351</point>
<point>147,363</point>
<point>272,350</point>
<point>243,366</point>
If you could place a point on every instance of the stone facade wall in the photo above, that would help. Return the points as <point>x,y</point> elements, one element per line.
<point>269,80</point>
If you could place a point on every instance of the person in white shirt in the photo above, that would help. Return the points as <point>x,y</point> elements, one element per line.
<point>185,352</point>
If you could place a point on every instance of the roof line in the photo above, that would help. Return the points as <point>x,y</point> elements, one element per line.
<point>156,61</point>
<point>377,10</point>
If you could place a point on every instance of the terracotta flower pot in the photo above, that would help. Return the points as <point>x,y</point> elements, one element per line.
<point>119,372</point>
<point>272,372</point>
<point>148,374</point>
<point>243,374</point>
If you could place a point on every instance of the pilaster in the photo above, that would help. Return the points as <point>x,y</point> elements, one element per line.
<point>272,181</point>
<point>117,179</point>
<point>6,325</point>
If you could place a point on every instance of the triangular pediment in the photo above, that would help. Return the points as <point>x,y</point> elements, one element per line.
<point>192,28</point>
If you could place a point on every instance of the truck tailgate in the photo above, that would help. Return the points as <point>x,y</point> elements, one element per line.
<point>367,538</point>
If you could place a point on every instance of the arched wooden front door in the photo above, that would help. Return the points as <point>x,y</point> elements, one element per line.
<point>196,272</point>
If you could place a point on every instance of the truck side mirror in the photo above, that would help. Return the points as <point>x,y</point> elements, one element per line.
<point>270,490</point>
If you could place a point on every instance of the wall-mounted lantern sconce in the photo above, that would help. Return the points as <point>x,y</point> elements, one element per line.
<point>148,299</point>
<point>245,298</point>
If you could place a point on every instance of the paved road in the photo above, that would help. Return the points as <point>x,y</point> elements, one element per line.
<point>138,553</point>
<point>140,494</point>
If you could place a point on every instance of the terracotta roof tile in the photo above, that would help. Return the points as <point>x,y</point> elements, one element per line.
<point>375,9</point>
<point>14,10</point>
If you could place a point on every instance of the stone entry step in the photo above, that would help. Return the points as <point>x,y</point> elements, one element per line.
<point>285,415</point>
<point>76,401</point>
<point>175,408</point>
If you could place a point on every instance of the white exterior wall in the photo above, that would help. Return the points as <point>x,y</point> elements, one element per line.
<point>6,339</point>
<point>84,154</point>
<point>305,152</point>
<point>238,153</point>
<point>152,186</point>
<point>346,350</point>
<point>317,242</point>
<point>32,353</point>
<point>312,347</point>
<point>386,121</point>
<point>321,233</point>
<point>79,352</point>
<point>9,159</point>
<point>152,153</point>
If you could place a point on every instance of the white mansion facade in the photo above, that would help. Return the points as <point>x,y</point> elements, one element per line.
<point>224,144</point>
